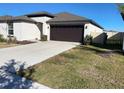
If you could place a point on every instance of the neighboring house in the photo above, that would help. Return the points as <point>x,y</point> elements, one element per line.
<point>62,27</point>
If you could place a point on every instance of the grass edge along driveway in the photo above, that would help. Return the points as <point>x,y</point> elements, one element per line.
<point>81,67</point>
<point>5,45</point>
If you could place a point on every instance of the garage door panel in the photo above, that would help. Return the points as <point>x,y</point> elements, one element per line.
<point>67,33</point>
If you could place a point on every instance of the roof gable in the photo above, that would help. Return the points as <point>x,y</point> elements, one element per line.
<point>64,16</point>
<point>39,14</point>
<point>60,17</point>
<point>8,18</point>
<point>24,19</point>
<point>68,17</point>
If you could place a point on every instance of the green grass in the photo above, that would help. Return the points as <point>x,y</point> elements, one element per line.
<point>5,45</point>
<point>81,67</point>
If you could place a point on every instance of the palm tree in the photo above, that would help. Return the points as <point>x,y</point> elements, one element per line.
<point>121,9</point>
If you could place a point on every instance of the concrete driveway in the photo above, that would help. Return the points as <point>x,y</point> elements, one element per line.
<point>34,53</point>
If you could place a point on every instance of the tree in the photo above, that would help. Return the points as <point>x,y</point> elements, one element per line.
<point>121,9</point>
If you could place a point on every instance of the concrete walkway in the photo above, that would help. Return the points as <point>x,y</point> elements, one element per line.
<point>34,53</point>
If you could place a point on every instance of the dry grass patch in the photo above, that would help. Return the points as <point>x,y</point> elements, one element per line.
<point>81,67</point>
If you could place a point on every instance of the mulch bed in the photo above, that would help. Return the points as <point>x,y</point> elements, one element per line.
<point>25,42</point>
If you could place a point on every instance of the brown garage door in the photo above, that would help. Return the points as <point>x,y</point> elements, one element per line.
<point>67,33</point>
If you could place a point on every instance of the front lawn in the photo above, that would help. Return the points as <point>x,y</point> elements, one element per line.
<point>81,67</point>
<point>4,45</point>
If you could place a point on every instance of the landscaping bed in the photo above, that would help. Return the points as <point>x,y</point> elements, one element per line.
<point>11,41</point>
<point>25,42</point>
<point>5,45</point>
<point>81,67</point>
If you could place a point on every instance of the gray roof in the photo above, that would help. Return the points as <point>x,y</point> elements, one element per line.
<point>8,18</point>
<point>23,18</point>
<point>64,16</point>
<point>68,17</point>
<point>37,14</point>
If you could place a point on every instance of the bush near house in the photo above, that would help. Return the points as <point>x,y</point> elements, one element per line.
<point>4,43</point>
<point>11,39</point>
<point>2,38</point>
<point>44,38</point>
<point>88,40</point>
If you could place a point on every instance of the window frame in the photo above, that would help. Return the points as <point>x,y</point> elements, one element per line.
<point>10,29</point>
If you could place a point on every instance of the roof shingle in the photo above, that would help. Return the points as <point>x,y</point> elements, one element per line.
<point>23,18</point>
<point>68,17</point>
<point>8,18</point>
<point>64,16</point>
<point>37,14</point>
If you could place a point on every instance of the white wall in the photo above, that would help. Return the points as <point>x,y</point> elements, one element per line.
<point>26,31</point>
<point>91,29</point>
<point>4,29</point>
<point>18,30</point>
<point>46,27</point>
<point>95,32</point>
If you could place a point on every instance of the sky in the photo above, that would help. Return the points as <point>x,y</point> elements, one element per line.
<point>107,15</point>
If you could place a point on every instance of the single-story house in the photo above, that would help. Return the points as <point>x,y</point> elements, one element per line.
<point>62,26</point>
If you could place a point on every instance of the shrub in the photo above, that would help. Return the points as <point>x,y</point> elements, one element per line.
<point>2,38</point>
<point>44,38</point>
<point>88,39</point>
<point>11,39</point>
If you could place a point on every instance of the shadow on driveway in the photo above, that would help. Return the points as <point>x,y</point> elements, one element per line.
<point>9,78</point>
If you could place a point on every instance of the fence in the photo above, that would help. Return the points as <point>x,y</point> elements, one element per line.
<point>99,37</point>
<point>114,37</point>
